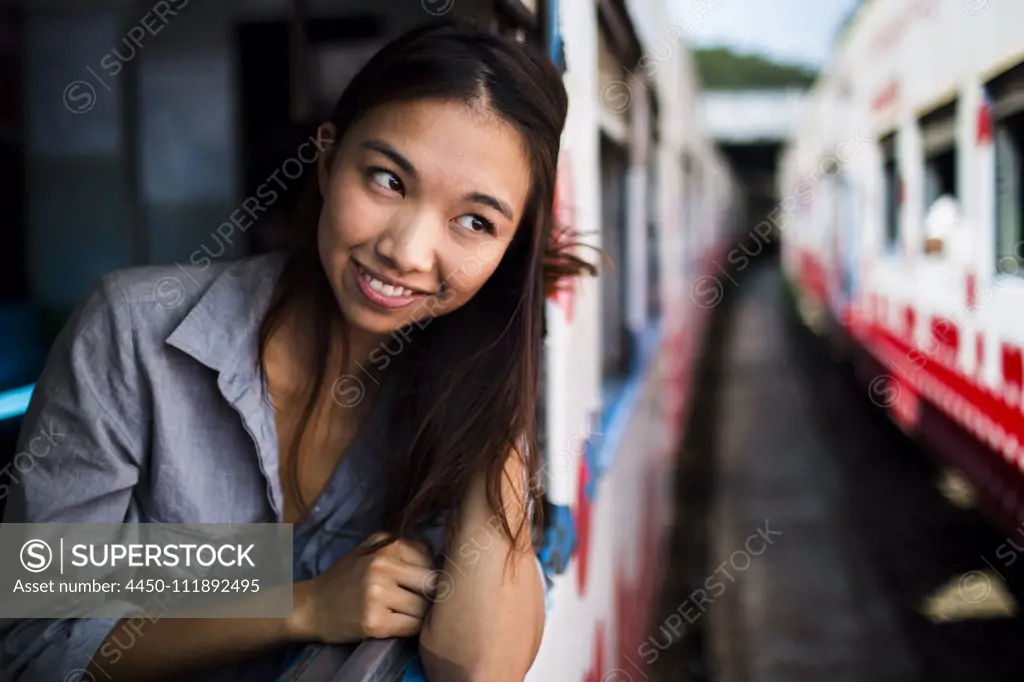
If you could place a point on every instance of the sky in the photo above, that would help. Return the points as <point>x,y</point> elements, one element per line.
<point>793,31</point>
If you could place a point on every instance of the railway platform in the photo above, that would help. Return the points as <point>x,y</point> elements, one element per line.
<point>813,541</point>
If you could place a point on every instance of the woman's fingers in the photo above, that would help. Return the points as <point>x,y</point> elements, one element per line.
<point>415,579</point>
<point>401,625</point>
<point>414,552</point>
<point>406,602</point>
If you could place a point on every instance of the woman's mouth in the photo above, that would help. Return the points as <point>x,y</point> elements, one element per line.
<point>381,293</point>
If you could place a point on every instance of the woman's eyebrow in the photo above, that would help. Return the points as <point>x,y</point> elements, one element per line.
<point>387,150</point>
<point>487,200</point>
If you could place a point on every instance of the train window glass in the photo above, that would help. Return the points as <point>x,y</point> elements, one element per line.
<point>653,271</point>
<point>615,95</point>
<point>615,361</point>
<point>1006,92</point>
<point>938,142</point>
<point>940,176</point>
<point>691,183</point>
<point>1009,144</point>
<point>891,191</point>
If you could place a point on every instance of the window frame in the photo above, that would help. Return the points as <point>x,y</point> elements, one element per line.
<point>1006,94</point>
<point>892,193</point>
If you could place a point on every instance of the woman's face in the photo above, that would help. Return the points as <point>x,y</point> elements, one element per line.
<point>421,200</point>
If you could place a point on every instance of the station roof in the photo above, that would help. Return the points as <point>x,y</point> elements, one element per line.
<point>751,116</point>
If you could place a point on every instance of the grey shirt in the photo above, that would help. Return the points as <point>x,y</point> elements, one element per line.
<point>154,410</point>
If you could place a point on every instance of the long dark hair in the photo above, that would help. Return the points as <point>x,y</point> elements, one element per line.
<point>469,379</point>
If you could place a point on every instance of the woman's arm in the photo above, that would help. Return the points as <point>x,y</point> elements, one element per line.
<point>80,446</point>
<point>360,596</point>
<point>486,626</point>
<point>139,650</point>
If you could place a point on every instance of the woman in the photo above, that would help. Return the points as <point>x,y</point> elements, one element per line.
<point>375,384</point>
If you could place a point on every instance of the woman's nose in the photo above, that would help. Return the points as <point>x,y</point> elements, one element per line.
<point>411,244</point>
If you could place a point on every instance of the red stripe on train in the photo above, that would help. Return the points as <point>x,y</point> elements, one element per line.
<point>985,413</point>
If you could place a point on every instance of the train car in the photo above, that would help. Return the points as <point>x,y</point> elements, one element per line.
<point>903,227</point>
<point>645,181</point>
<point>637,179</point>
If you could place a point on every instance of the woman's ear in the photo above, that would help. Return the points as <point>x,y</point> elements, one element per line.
<point>327,140</point>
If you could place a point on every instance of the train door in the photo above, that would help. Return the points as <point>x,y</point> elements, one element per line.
<point>264,78</point>
<point>12,161</point>
<point>13,280</point>
<point>280,111</point>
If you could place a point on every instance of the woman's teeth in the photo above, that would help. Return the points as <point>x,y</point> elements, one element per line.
<point>386,289</point>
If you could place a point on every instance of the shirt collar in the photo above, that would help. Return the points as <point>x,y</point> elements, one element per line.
<point>222,329</point>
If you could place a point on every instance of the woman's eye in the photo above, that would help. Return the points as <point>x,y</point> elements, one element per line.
<point>386,179</point>
<point>475,223</point>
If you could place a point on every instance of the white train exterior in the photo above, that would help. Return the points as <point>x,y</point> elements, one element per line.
<point>154,164</point>
<point>676,190</point>
<point>903,226</point>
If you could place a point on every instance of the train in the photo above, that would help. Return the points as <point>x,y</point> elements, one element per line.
<point>903,231</point>
<point>652,187</point>
<point>147,161</point>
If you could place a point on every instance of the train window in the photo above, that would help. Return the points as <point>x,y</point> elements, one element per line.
<point>616,352</point>
<point>653,272</point>
<point>1009,138</point>
<point>653,265</point>
<point>1007,96</point>
<point>892,190</point>
<point>691,194</point>
<point>938,142</point>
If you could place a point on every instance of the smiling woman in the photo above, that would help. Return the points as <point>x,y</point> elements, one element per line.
<point>413,192</point>
<point>429,216</point>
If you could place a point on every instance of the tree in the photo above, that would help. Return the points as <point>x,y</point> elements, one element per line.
<point>719,68</point>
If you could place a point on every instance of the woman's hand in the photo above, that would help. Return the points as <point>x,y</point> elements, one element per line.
<point>384,594</point>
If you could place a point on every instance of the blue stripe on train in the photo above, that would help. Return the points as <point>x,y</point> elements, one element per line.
<point>413,671</point>
<point>559,541</point>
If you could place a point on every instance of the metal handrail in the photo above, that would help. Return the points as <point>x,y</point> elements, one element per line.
<point>372,660</point>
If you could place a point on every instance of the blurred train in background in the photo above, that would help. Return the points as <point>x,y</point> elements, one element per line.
<point>904,193</point>
<point>130,134</point>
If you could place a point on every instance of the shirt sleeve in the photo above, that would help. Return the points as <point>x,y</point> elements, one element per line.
<point>79,454</point>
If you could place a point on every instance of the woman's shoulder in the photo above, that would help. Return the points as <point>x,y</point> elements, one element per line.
<point>164,287</point>
<point>152,300</point>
